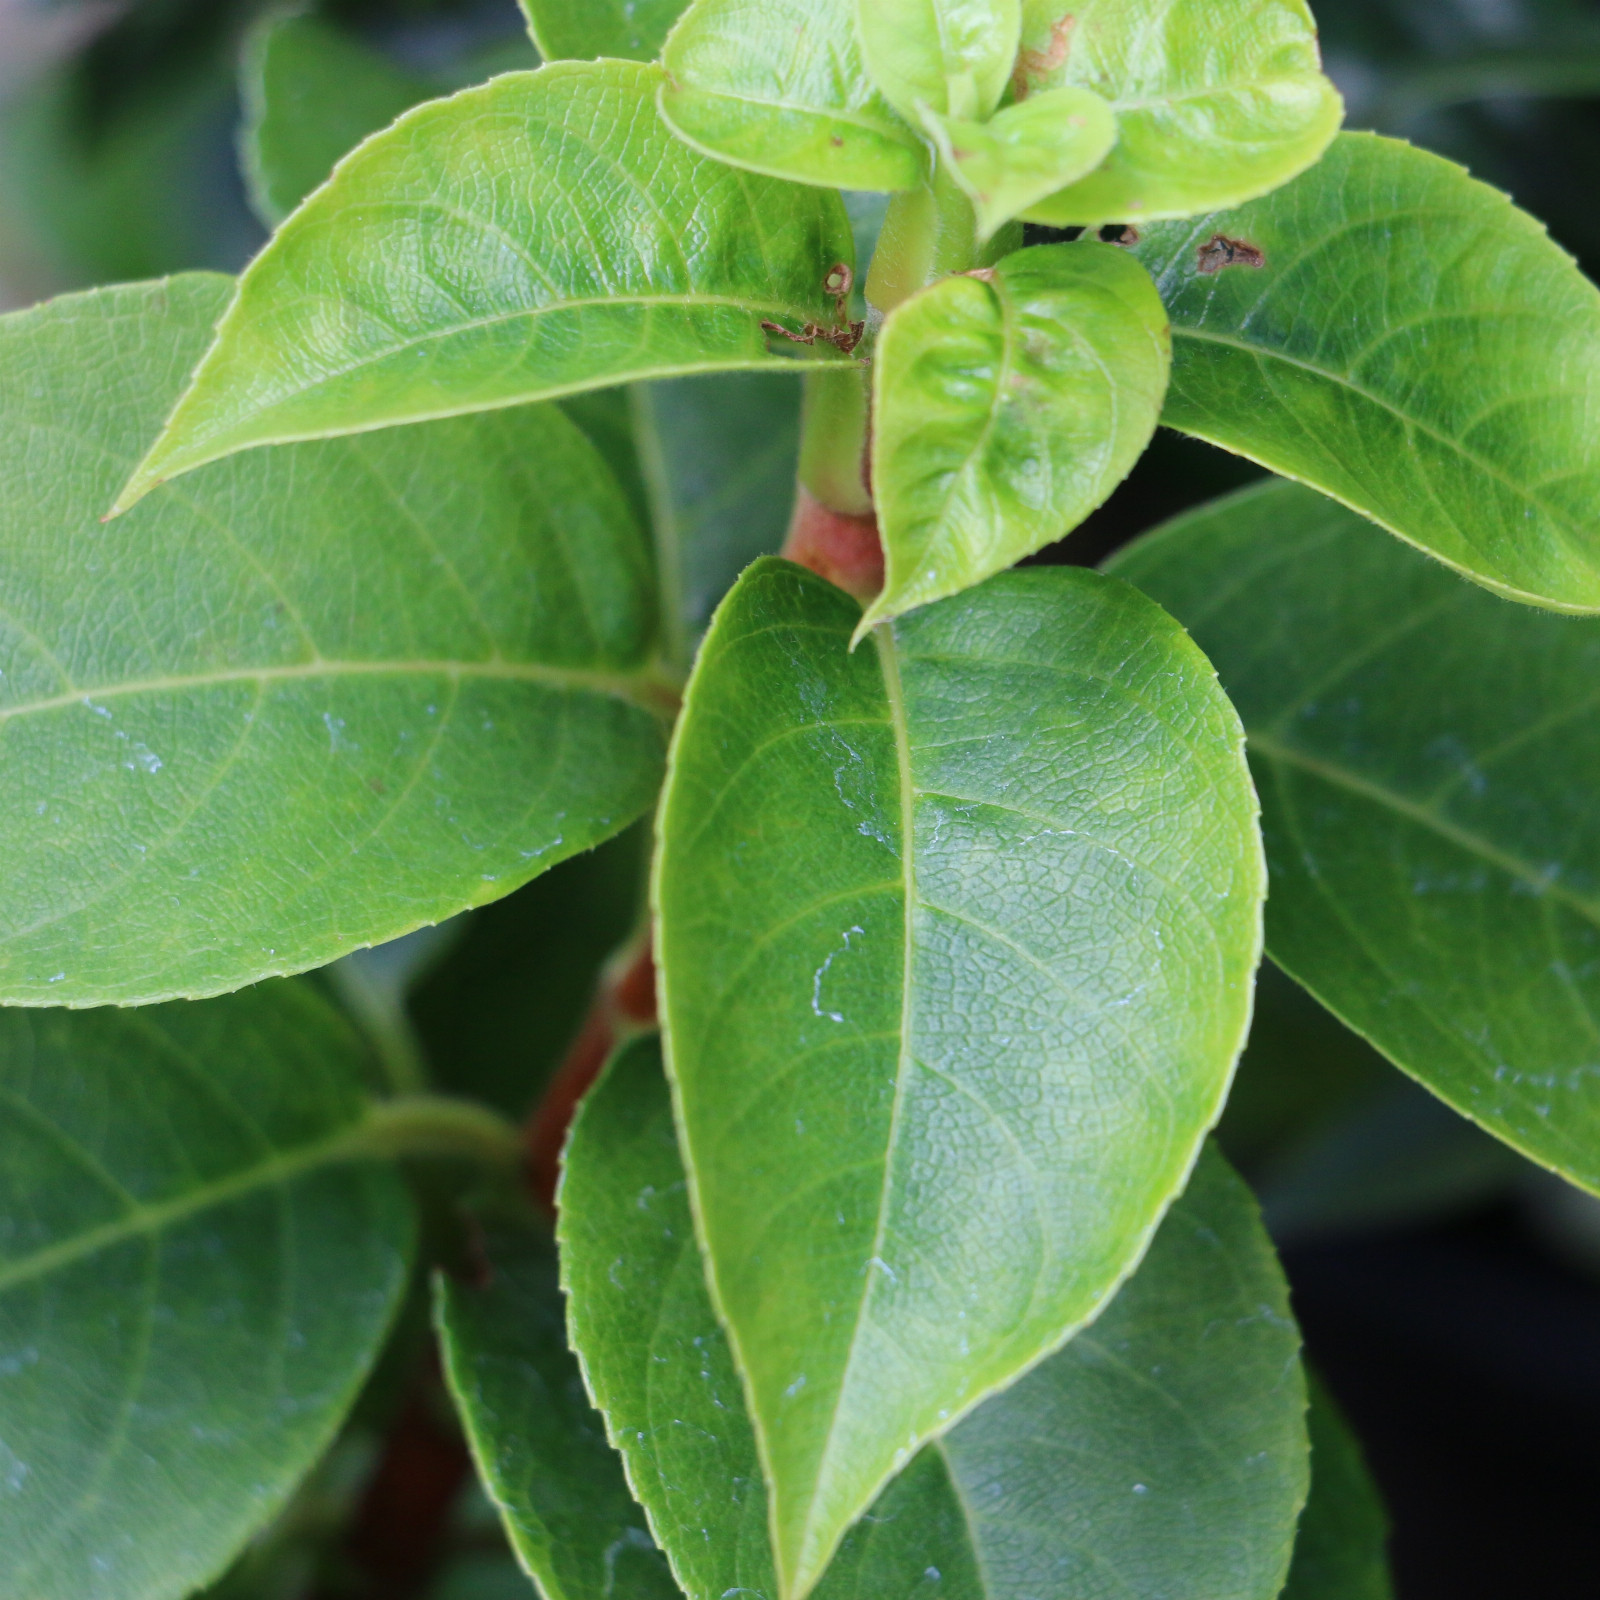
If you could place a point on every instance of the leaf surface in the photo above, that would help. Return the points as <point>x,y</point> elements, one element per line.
<point>1421,750</point>
<point>950,57</point>
<point>1412,345</point>
<point>1217,101</point>
<point>541,234</point>
<point>305,702</point>
<point>1088,1472</point>
<point>1006,408</point>
<point>539,1444</point>
<point>195,1277</point>
<point>583,29</point>
<point>956,936</point>
<point>778,86</point>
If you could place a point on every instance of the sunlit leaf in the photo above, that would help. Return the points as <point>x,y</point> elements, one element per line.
<point>950,57</point>
<point>583,29</point>
<point>956,935</point>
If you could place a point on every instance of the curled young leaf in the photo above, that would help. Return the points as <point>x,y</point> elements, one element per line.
<point>949,57</point>
<point>955,938</point>
<point>1216,100</point>
<point>777,86</point>
<point>538,235</point>
<point>1009,404</point>
<point>1075,1478</point>
<point>581,30</point>
<point>1424,754</point>
<point>197,1270</point>
<point>1404,339</point>
<point>1025,151</point>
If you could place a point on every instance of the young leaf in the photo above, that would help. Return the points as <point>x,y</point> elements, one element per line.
<point>1007,406</point>
<point>311,92</point>
<point>777,86</point>
<point>1421,749</point>
<point>1216,100</point>
<point>541,234</point>
<point>583,29</point>
<point>539,1444</point>
<point>307,701</point>
<point>951,931</point>
<point>950,57</point>
<point>1026,151</point>
<point>1405,340</point>
<point>1339,1553</point>
<point>1076,1477</point>
<point>195,1276</point>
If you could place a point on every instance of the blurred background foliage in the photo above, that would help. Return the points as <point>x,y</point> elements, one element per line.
<point>1450,1293</point>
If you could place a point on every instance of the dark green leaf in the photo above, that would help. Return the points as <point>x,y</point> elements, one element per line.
<point>195,1276</point>
<point>951,930</point>
<point>311,93</point>
<point>1160,1453</point>
<point>1217,101</point>
<point>583,29</point>
<point>1005,409</point>
<point>1410,344</point>
<point>539,1444</point>
<point>306,702</point>
<point>1421,750</point>
<point>950,57</point>
<point>777,86</point>
<point>539,235</point>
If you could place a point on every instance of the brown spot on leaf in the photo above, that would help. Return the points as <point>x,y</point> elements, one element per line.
<point>1220,251</point>
<point>836,140</point>
<point>1033,65</point>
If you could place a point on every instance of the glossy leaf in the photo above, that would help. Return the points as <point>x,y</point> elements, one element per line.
<point>311,92</point>
<point>1420,748</point>
<point>1006,407</point>
<point>1339,1553</point>
<point>195,1276</point>
<point>778,86</point>
<point>1412,345</point>
<point>539,1445</point>
<point>305,702</point>
<point>1088,1477</point>
<point>542,234</point>
<point>583,29</point>
<point>950,57</point>
<point>956,935</point>
<point>1026,151</point>
<point>1217,101</point>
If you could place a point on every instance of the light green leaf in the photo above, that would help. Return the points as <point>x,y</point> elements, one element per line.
<point>1421,749</point>
<point>195,1276</point>
<point>311,92</point>
<point>1339,1554</point>
<point>1076,1482</point>
<point>538,235</point>
<point>1007,406</point>
<point>950,57</point>
<point>1026,151</point>
<point>306,702</point>
<point>583,29</point>
<point>1412,345</point>
<point>1217,101</point>
<point>539,1445</point>
<point>956,936</point>
<point>777,86</point>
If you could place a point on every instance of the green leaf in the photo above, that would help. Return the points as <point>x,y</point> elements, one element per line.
<point>310,93</point>
<point>1025,152</point>
<point>1007,406</point>
<point>539,1444</point>
<point>1339,1554</point>
<point>1085,1474</point>
<point>1217,101</point>
<point>950,930</point>
<point>308,701</point>
<point>1422,752</point>
<point>538,235</point>
<point>580,30</point>
<point>195,1276</point>
<point>777,86</point>
<point>950,57</point>
<point>1412,345</point>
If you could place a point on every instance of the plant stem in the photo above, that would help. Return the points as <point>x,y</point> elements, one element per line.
<point>439,1125</point>
<point>928,233</point>
<point>833,438</point>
